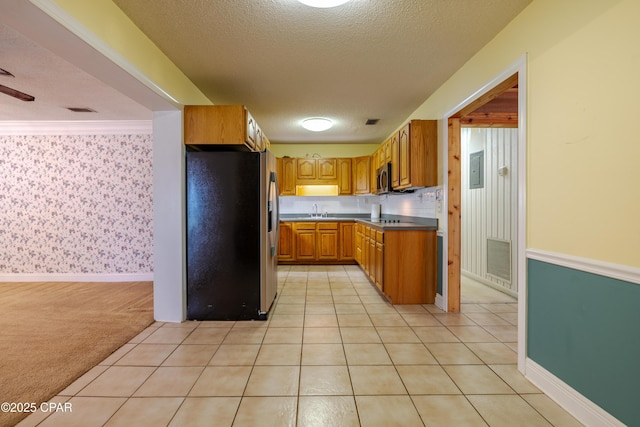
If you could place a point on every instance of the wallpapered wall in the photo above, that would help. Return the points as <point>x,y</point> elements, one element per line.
<point>76,204</point>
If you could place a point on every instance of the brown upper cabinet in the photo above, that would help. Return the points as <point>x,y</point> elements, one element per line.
<point>323,169</point>
<point>286,170</point>
<point>414,155</point>
<point>306,169</point>
<point>327,169</point>
<point>229,125</point>
<point>361,168</point>
<point>344,176</point>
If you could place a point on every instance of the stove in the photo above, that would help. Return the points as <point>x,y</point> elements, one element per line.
<point>389,221</point>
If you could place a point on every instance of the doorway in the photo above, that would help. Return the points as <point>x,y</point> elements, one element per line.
<point>455,119</point>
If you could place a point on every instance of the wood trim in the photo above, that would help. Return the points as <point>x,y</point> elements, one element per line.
<point>489,96</point>
<point>454,216</point>
<point>485,120</point>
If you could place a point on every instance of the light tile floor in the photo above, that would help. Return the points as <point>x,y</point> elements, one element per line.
<point>333,353</point>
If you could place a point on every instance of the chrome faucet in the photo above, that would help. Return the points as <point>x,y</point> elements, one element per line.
<point>314,214</point>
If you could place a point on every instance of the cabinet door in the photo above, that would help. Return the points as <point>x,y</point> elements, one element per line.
<point>344,177</point>
<point>285,243</point>
<point>327,169</point>
<point>305,240</point>
<point>251,129</point>
<point>379,266</point>
<point>327,238</point>
<point>259,139</point>
<point>361,175</point>
<point>387,151</point>
<point>215,125</point>
<point>347,240</point>
<point>405,159</point>
<point>287,176</point>
<point>371,270</point>
<point>373,176</point>
<point>306,169</point>
<point>395,161</point>
<point>359,244</point>
<point>365,251</point>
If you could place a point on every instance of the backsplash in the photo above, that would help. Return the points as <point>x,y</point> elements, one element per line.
<point>76,204</point>
<point>330,204</point>
<point>421,203</point>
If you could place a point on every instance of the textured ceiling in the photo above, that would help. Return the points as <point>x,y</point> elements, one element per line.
<point>377,59</point>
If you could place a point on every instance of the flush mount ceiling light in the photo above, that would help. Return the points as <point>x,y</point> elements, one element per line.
<point>323,3</point>
<point>317,124</point>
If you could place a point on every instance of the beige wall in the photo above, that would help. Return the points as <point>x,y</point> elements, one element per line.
<point>111,26</point>
<point>582,143</point>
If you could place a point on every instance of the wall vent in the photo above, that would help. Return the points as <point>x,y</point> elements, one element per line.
<point>81,110</point>
<point>499,258</point>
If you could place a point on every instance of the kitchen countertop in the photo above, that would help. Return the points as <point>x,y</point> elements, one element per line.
<point>406,223</point>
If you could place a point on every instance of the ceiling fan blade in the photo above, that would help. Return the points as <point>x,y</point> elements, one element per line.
<point>16,93</point>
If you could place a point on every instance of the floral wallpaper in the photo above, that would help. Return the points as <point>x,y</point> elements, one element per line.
<point>76,204</point>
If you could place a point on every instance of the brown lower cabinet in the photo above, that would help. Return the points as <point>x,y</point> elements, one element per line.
<point>321,242</point>
<point>401,263</point>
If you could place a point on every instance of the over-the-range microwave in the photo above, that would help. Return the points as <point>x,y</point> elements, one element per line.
<point>383,179</point>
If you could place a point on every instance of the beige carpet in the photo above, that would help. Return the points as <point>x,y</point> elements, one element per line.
<point>51,333</point>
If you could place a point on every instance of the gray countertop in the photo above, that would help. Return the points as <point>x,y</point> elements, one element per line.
<point>405,223</point>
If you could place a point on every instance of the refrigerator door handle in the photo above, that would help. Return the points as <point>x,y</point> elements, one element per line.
<point>275,213</point>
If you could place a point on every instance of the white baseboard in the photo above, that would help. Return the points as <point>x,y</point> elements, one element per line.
<point>77,277</point>
<point>440,302</point>
<point>572,401</point>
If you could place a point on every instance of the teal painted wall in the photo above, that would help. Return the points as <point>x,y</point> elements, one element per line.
<point>440,240</point>
<point>585,329</point>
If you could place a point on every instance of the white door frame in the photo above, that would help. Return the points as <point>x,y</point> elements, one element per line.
<point>520,67</point>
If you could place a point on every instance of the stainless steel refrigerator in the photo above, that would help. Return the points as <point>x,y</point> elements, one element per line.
<point>232,235</point>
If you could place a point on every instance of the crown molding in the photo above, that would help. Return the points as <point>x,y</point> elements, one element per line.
<point>103,127</point>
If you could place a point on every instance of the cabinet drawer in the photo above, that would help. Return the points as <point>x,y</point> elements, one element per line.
<point>304,225</point>
<point>379,236</point>
<point>327,226</point>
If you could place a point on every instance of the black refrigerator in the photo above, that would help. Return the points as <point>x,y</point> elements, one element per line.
<point>232,235</point>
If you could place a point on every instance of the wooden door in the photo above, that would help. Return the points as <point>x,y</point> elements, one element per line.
<point>347,237</point>
<point>306,169</point>
<point>387,151</point>
<point>286,176</point>
<point>359,244</point>
<point>344,177</point>
<point>373,176</point>
<point>379,266</point>
<point>327,169</point>
<point>395,160</point>
<point>361,175</point>
<point>251,131</point>
<point>371,261</point>
<point>327,238</point>
<point>404,157</point>
<point>286,250</point>
<point>305,240</point>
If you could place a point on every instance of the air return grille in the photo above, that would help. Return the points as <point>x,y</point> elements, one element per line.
<point>499,258</point>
